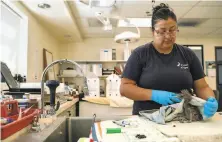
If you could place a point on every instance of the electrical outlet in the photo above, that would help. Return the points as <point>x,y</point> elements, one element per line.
<point>36,77</point>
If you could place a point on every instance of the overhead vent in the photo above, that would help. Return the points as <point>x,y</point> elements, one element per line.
<point>94,22</point>
<point>191,22</point>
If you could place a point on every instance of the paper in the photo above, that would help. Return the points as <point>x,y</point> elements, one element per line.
<point>211,72</point>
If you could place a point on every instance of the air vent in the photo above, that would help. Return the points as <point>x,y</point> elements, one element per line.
<point>191,22</point>
<point>94,22</point>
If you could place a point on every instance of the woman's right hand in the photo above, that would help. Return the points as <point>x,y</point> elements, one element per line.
<point>164,97</point>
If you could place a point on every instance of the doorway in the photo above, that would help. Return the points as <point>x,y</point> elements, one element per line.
<point>218,59</point>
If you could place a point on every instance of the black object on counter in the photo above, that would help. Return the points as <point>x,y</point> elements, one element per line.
<point>13,86</point>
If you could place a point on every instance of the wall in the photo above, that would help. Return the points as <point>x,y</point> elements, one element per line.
<point>89,49</point>
<point>38,38</point>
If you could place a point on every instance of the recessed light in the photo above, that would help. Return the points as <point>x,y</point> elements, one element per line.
<point>44,5</point>
<point>148,13</point>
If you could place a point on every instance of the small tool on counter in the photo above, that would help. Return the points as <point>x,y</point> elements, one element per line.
<point>119,123</point>
<point>113,130</point>
<point>126,123</point>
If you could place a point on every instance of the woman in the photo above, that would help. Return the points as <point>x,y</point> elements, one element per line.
<point>156,71</point>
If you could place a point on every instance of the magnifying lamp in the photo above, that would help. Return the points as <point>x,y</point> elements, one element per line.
<point>127,37</point>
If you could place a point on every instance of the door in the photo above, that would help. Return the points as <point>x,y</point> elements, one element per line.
<point>218,59</point>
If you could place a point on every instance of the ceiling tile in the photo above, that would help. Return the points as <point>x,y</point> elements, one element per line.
<point>210,3</point>
<point>171,3</point>
<point>204,12</point>
<point>133,11</point>
<point>212,23</point>
<point>81,10</point>
<point>82,22</point>
<point>194,31</point>
<point>217,33</point>
<point>57,18</point>
<point>180,11</point>
<point>139,11</point>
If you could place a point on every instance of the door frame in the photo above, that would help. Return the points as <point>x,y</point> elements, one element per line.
<point>217,62</point>
<point>217,77</point>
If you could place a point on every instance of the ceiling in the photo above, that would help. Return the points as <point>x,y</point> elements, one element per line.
<point>72,20</point>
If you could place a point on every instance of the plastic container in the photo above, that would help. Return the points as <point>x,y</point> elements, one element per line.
<point>9,108</point>
<point>13,127</point>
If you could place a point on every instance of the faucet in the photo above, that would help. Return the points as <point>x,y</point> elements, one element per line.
<point>85,90</point>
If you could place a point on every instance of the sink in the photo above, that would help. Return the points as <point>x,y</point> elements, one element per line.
<point>62,130</point>
<point>71,129</point>
<point>66,129</point>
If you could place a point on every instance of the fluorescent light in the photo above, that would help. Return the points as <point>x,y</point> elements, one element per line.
<point>138,22</point>
<point>194,48</point>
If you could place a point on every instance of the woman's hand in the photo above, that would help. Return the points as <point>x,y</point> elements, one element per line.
<point>164,97</point>
<point>210,107</point>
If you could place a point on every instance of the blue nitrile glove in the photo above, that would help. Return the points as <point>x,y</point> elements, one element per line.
<point>164,97</point>
<point>210,107</point>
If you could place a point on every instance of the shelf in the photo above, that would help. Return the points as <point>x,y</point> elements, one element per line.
<point>103,76</point>
<point>98,61</point>
<point>68,76</point>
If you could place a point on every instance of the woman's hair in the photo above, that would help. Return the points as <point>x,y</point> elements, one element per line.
<point>162,12</point>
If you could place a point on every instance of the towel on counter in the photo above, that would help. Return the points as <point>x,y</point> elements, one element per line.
<point>120,102</point>
<point>97,100</point>
<point>112,101</point>
<point>173,112</point>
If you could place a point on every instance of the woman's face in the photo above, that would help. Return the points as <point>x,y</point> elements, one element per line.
<point>165,33</point>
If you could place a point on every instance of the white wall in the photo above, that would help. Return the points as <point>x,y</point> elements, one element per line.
<point>89,49</point>
<point>38,38</point>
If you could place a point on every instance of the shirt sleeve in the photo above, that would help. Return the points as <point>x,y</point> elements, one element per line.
<point>196,68</point>
<point>133,67</point>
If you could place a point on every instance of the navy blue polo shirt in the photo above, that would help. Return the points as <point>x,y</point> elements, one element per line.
<point>169,72</point>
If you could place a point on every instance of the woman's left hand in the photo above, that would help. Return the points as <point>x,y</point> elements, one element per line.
<point>210,107</point>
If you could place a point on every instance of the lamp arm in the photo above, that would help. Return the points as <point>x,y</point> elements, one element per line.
<point>138,30</point>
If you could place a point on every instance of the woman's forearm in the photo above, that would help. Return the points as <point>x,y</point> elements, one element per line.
<point>202,89</point>
<point>134,92</point>
<point>205,92</point>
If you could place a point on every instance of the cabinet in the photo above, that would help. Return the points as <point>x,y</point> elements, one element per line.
<point>75,79</point>
<point>105,65</point>
<point>68,109</point>
<point>70,112</point>
<point>89,67</point>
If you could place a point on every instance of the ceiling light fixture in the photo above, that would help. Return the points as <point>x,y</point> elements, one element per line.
<point>138,22</point>
<point>44,5</point>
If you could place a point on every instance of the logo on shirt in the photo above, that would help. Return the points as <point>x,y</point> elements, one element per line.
<point>182,66</point>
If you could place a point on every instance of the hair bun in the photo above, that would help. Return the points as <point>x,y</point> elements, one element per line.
<point>160,6</point>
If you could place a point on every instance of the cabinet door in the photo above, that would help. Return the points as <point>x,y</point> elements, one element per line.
<point>70,112</point>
